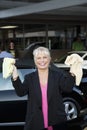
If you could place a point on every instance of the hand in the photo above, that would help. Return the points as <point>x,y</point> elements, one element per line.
<point>15,73</point>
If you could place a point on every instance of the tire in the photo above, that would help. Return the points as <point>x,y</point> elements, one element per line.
<point>72,108</point>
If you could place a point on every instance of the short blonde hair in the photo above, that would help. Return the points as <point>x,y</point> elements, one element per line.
<point>41,50</point>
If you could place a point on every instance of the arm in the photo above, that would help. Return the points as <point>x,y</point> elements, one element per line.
<point>21,88</point>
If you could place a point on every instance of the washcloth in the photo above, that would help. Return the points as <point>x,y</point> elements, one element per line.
<point>75,62</point>
<point>7,67</point>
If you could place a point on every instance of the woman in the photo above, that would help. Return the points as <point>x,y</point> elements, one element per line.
<point>13,50</point>
<point>45,109</point>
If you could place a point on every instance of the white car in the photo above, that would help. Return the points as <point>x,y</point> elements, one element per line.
<point>60,63</point>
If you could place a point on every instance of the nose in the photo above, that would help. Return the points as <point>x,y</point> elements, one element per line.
<point>42,59</point>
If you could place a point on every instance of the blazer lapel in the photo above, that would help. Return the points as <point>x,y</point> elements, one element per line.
<point>50,85</point>
<point>37,88</point>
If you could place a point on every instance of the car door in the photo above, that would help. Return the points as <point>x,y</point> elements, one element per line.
<point>12,107</point>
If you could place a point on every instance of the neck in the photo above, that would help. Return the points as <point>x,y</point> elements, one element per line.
<point>43,76</point>
<point>42,71</point>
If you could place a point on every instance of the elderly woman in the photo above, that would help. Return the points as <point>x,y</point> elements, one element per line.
<point>45,108</point>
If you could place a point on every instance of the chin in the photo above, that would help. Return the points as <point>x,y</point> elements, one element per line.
<point>43,68</point>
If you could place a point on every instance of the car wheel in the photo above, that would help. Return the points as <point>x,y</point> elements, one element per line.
<point>72,108</point>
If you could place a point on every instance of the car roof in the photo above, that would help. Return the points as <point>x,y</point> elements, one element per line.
<point>28,51</point>
<point>78,52</point>
<point>21,63</point>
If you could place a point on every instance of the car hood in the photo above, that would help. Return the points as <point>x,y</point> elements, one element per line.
<point>61,65</point>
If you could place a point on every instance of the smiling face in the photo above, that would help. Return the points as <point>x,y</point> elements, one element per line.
<point>42,59</point>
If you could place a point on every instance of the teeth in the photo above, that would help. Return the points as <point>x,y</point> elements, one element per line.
<point>42,64</point>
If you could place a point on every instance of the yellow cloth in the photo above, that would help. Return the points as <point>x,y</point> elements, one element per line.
<point>7,67</point>
<point>75,62</point>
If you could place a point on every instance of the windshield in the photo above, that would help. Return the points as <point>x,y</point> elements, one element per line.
<point>63,58</point>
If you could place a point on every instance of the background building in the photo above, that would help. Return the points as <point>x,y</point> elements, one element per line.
<point>55,22</point>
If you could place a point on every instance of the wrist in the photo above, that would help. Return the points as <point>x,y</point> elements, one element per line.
<point>15,78</point>
<point>72,74</point>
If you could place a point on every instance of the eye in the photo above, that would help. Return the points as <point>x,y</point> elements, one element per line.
<point>45,57</point>
<point>38,58</point>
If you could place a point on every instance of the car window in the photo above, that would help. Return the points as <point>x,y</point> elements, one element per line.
<point>85,58</point>
<point>6,84</point>
<point>63,58</point>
